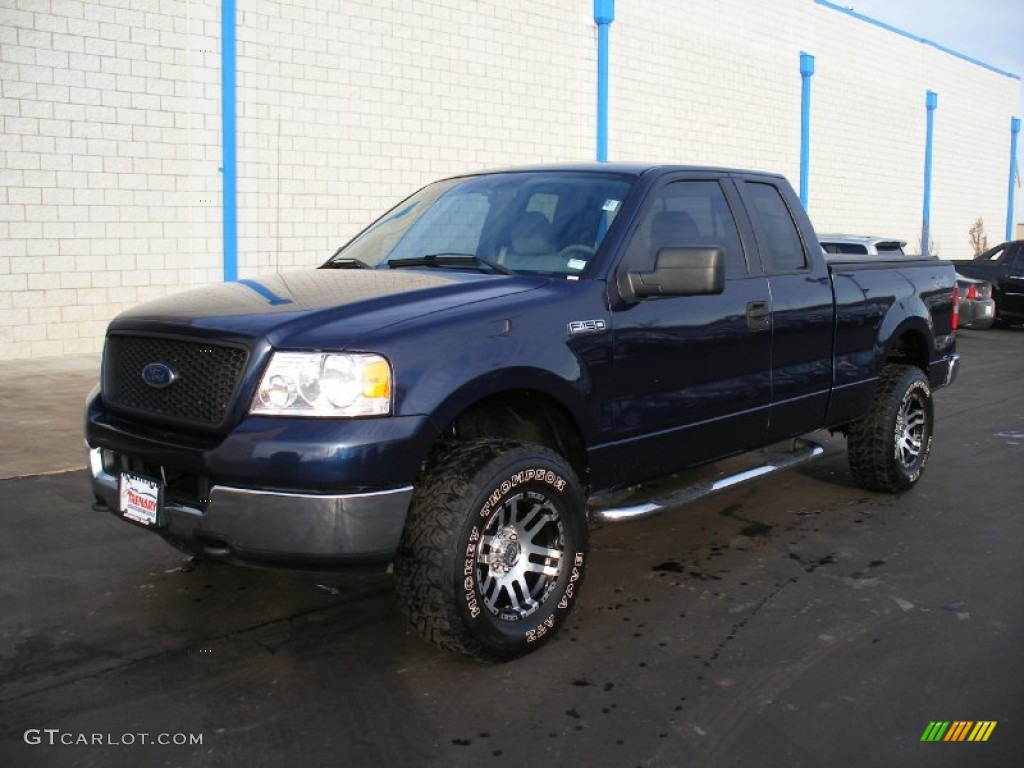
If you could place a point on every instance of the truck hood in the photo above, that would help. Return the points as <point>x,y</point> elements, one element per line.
<point>321,308</point>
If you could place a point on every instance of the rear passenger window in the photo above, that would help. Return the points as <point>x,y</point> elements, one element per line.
<point>777,235</point>
<point>992,255</point>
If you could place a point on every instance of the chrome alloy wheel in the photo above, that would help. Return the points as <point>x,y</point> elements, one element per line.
<point>911,425</point>
<point>520,556</point>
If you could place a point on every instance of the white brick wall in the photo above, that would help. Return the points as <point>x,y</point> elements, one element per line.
<point>344,112</point>
<point>868,137</point>
<point>708,83</point>
<point>110,191</point>
<point>103,164</point>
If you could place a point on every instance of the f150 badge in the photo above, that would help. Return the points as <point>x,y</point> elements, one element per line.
<point>586,326</point>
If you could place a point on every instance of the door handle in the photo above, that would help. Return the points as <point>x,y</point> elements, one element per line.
<point>758,316</point>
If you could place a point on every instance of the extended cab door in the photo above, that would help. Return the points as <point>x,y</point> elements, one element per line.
<point>691,379</point>
<point>802,306</point>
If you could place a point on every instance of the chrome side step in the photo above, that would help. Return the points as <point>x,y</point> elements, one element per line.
<point>801,452</point>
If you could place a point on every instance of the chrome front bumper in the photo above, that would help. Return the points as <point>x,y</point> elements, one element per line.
<point>271,526</point>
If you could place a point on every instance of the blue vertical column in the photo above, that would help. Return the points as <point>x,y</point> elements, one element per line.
<point>806,72</point>
<point>229,168</point>
<point>604,15</point>
<point>1014,131</point>
<point>931,101</point>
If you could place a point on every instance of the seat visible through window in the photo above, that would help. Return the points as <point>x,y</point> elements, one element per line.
<point>531,235</point>
<point>672,229</point>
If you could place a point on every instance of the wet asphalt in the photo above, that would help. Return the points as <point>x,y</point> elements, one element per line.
<point>796,621</point>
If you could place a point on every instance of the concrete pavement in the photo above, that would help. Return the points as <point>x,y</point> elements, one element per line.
<point>41,414</point>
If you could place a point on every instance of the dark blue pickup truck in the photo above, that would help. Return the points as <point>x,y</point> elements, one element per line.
<point>490,367</point>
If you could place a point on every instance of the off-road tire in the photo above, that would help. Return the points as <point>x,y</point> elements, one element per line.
<point>888,448</point>
<point>494,549</point>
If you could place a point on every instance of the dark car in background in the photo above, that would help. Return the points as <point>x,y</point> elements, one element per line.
<point>1003,266</point>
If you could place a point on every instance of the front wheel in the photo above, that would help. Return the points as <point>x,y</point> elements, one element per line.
<point>494,550</point>
<point>889,447</point>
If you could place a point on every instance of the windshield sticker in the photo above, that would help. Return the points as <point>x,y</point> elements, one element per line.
<point>576,264</point>
<point>610,205</point>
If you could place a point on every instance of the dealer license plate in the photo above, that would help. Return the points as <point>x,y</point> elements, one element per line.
<point>141,499</point>
<point>986,310</point>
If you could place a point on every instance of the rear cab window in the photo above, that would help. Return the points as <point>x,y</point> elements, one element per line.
<point>782,249</point>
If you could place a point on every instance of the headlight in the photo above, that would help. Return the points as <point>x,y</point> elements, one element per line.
<point>317,384</point>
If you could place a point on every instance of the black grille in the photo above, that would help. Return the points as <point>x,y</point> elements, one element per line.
<point>207,377</point>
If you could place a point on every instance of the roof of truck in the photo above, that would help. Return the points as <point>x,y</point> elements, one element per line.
<point>630,168</point>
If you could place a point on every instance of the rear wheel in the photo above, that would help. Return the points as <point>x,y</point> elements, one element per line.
<point>889,447</point>
<point>493,553</point>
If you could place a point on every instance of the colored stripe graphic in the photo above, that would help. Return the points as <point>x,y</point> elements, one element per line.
<point>959,730</point>
<point>982,730</point>
<point>935,731</point>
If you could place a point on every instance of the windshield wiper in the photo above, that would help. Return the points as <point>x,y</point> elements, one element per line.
<point>450,260</point>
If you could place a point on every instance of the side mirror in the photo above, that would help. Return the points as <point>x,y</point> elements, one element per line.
<point>682,272</point>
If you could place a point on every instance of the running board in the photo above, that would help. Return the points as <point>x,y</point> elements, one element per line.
<point>802,451</point>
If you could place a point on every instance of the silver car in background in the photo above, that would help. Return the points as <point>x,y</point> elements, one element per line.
<point>863,245</point>
<point>977,307</point>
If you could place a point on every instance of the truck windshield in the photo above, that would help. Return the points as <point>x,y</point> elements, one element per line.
<point>536,222</point>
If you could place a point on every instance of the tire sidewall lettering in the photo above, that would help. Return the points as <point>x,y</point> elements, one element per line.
<point>469,591</point>
<point>570,589</point>
<point>539,475</point>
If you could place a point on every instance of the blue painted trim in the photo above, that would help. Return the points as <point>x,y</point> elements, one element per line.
<point>602,93</point>
<point>604,15</point>
<point>806,72</point>
<point>228,136</point>
<point>272,298</point>
<point>915,38</point>
<point>1014,131</point>
<point>931,102</point>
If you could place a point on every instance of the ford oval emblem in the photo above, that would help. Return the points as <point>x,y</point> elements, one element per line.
<point>159,375</point>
